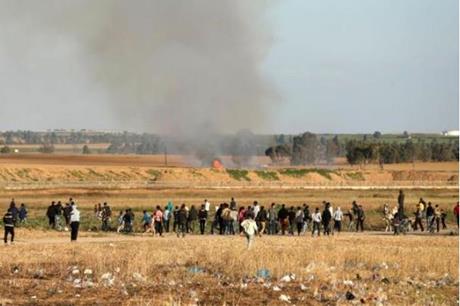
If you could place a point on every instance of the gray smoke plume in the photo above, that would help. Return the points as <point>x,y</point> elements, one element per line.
<point>182,68</point>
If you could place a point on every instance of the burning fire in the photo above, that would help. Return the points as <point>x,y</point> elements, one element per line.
<point>217,164</point>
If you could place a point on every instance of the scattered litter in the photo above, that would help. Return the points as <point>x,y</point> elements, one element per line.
<point>15,270</point>
<point>288,277</point>
<point>303,287</point>
<point>263,273</point>
<point>285,298</point>
<point>75,272</point>
<point>311,266</point>
<point>348,283</point>
<point>88,272</point>
<point>39,274</point>
<point>276,288</point>
<point>138,277</point>
<point>107,279</point>
<point>195,269</point>
<point>349,296</point>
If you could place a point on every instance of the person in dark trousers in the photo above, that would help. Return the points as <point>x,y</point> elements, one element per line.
<point>429,217</point>
<point>360,219</point>
<point>261,220</point>
<point>105,217</point>
<point>175,218</point>
<point>14,211</point>
<point>443,219</point>
<point>203,217</point>
<point>8,224</point>
<point>418,219</point>
<point>66,212</point>
<point>74,222</point>
<point>272,226</point>
<point>57,215</point>
<point>217,219</point>
<point>127,222</point>
<point>192,218</point>
<point>401,205</point>
<point>299,219</point>
<point>326,218</point>
<point>23,213</point>
<point>306,216</point>
<point>51,213</point>
<point>291,218</point>
<point>283,215</point>
<point>182,221</point>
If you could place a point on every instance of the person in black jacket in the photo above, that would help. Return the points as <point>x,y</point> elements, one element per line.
<point>291,217</point>
<point>360,219</point>
<point>326,218</point>
<point>283,215</point>
<point>203,217</point>
<point>192,217</point>
<point>261,220</point>
<point>181,221</point>
<point>51,213</point>
<point>401,205</point>
<point>8,224</point>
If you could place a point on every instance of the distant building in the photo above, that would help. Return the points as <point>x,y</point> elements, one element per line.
<point>451,133</point>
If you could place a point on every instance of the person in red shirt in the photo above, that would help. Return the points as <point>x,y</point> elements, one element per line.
<point>456,212</point>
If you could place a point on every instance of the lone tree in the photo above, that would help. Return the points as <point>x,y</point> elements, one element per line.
<point>305,149</point>
<point>46,148</point>
<point>86,150</point>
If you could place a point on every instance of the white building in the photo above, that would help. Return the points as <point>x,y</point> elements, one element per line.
<point>451,133</point>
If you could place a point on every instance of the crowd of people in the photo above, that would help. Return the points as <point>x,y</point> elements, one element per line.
<point>230,219</point>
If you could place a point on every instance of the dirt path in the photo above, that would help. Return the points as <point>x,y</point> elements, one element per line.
<point>115,238</point>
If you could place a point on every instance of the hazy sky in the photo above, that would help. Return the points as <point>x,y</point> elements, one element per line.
<point>338,66</point>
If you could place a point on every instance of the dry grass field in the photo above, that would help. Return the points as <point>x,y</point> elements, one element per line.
<point>371,268</point>
<point>211,270</point>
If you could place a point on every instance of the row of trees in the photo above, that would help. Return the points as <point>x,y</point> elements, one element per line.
<point>308,148</point>
<point>361,152</point>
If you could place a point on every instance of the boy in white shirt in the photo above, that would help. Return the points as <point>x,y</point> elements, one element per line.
<point>250,229</point>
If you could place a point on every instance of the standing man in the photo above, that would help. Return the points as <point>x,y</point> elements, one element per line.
<point>401,205</point>
<point>8,224</point>
<point>203,217</point>
<point>272,220</point>
<point>456,211</point>
<point>207,205</point>
<point>316,218</point>
<point>360,219</point>
<point>50,213</point>
<point>105,216</point>
<point>74,222</point>
<point>337,216</point>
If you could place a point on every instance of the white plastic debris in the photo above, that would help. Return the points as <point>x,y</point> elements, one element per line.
<point>138,277</point>
<point>285,298</point>
<point>107,279</point>
<point>276,288</point>
<point>75,272</point>
<point>303,287</point>
<point>348,283</point>
<point>88,272</point>
<point>288,277</point>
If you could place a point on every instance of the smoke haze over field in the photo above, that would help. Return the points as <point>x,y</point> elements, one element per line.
<point>180,68</point>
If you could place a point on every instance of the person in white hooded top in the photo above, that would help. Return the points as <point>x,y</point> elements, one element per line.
<point>74,222</point>
<point>337,216</point>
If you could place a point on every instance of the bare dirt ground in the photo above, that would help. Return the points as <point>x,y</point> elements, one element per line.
<point>134,171</point>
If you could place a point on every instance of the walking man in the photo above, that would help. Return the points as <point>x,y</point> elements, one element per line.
<point>8,224</point>
<point>74,222</point>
